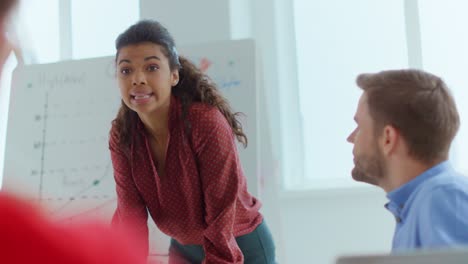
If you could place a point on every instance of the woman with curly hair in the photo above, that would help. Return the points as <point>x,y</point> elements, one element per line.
<point>174,155</point>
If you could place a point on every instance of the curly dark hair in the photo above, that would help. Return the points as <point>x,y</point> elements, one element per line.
<point>194,85</point>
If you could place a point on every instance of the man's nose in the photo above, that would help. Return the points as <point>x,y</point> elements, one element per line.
<point>350,138</point>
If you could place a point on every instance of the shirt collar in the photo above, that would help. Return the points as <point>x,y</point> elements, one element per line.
<point>174,112</point>
<point>400,196</point>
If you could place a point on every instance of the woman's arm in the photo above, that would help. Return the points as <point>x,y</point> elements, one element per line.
<point>131,212</point>
<point>220,171</point>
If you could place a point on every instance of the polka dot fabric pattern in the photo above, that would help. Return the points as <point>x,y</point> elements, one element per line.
<point>203,197</point>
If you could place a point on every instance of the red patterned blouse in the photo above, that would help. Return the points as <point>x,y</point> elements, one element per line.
<point>203,197</point>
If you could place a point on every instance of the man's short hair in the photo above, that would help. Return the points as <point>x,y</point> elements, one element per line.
<point>418,104</point>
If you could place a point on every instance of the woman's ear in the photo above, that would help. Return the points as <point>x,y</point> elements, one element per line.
<point>175,77</point>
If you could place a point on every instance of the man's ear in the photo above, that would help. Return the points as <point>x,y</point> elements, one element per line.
<point>389,139</point>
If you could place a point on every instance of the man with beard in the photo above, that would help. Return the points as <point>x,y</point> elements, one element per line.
<point>406,121</point>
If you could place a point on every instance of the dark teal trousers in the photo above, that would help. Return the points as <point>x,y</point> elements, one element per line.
<point>257,247</point>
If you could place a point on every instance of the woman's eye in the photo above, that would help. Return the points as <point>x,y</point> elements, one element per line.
<point>153,67</point>
<point>125,71</point>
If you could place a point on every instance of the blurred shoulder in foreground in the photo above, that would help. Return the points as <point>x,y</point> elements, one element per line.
<point>28,236</point>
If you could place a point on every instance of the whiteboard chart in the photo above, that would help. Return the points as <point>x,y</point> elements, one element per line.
<point>56,148</point>
<point>59,119</point>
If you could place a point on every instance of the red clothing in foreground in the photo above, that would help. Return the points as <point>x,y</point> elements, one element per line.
<point>203,197</point>
<point>27,236</point>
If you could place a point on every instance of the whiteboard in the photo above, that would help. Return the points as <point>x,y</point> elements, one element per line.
<point>60,115</point>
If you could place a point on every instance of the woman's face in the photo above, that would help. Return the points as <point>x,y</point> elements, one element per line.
<point>145,78</point>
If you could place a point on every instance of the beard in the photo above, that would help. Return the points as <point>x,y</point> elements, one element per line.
<point>369,168</point>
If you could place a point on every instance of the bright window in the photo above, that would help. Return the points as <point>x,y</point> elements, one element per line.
<point>38,30</point>
<point>96,25</point>
<point>335,41</point>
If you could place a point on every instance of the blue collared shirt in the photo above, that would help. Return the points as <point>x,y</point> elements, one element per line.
<point>431,210</point>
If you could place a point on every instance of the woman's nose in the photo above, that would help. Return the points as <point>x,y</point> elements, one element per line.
<point>139,78</point>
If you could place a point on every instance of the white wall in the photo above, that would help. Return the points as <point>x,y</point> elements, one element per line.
<point>198,21</point>
<point>324,224</point>
<point>311,227</point>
